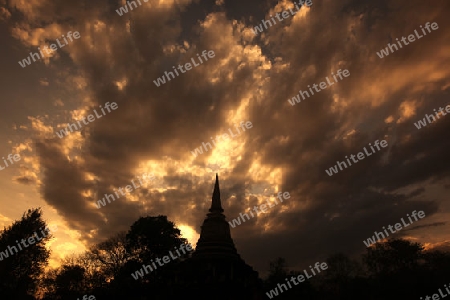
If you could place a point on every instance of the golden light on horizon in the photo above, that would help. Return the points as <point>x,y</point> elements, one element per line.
<point>189,233</point>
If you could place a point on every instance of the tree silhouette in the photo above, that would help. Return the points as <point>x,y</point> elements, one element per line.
<point>393,256</point>
<point>111,255</point>
<point>20,270</point>
<point>343,278</point>
<point>148,238</point>
<point>152,237</point>
<point>277,271</point>
<point>70,282</point>
<point>393,265</point>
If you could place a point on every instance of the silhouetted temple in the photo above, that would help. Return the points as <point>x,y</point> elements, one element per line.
<point>215,270</point>
<point>215,237</point>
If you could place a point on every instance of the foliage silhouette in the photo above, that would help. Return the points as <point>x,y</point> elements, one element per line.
<point>19,273</point>
<point>392,269</point>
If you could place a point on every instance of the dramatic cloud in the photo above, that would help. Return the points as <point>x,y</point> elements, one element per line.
<point>251,78</point>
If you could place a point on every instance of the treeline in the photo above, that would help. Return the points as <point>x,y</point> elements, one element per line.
<point>103,271</point>
<point>395,269</point>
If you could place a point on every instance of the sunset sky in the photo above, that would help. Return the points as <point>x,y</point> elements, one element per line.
<point>250,78</point>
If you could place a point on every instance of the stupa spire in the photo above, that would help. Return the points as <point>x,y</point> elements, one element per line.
<point>216,205</point>
<point>215,237</point>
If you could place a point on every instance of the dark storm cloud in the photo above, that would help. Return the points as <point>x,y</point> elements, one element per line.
<point>427,225</point>
<point>324,214</point>
<point>359,197</point>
